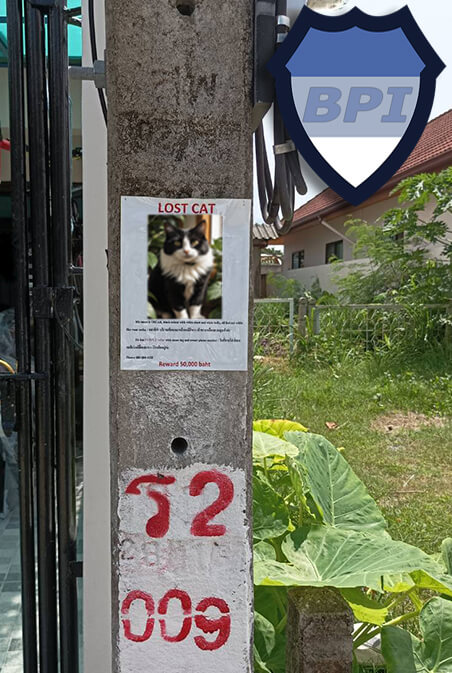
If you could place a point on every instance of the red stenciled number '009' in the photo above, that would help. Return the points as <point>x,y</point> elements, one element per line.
<point>201,526</point>
<point>185,602</point>
<point>150,607</point>
<point>208,625</point>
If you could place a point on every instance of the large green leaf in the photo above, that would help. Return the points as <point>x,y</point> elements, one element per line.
<point>277,661</point>
<point>364,608</point>
<point>433,654</point>
<point>433,578</point>
<point>397,649</point>
<point>277,427</point>
<point>271,605</point>
<point>264,551</point>
<point>308,510</point>
<point>399,583</point>
<point>264,639</point>
<point>446,551</point>
<point>265,446</point>
<point>343,559</point>
<point>259,665</point>
<point>271,602</point>
<point>436,627</point>
<point>339,494</point>
<point>270,513</point>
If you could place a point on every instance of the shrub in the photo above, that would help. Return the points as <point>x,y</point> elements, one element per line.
<point>315,524</point>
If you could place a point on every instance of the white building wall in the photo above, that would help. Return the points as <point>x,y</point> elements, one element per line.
<point>314,237</point>
<point>97,639</point>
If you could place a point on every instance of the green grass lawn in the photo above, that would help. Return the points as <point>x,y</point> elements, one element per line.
<point>395,424</point>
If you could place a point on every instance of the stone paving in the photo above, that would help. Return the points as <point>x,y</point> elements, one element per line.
<point>10,596</point>
<point>11,660</point>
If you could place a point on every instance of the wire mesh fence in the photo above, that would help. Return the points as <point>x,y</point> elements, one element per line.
<point>355,328</point>
<point>376,327</point>
<point>274,328</point>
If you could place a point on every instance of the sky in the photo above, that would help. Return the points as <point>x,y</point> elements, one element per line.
<point>435,20</point>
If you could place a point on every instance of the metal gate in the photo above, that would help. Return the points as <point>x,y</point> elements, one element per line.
<point>44,381</point>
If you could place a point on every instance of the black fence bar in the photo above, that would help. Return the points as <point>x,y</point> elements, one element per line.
<point>39,216</point>
<point>22,326</point>
<point>60,173</point>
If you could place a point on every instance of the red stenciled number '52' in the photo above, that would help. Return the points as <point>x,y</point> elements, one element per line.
<point>200,526</point>
<point>158,525</point>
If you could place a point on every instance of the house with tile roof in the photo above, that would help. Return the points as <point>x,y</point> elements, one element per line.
<point>264,262</point>
<point>318,234</point>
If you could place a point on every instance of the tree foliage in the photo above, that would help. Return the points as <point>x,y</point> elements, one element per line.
<point>398,246</point>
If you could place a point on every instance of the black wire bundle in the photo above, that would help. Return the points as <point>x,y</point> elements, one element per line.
<point>277,197</point>
<point>93,43</point>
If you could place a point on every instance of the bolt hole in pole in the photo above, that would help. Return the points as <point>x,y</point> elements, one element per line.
<point>185,7</point>
<point>179,445</point>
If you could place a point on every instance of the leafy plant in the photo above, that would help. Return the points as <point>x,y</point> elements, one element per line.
<point>400,266</point>
<point>315,524</point>
<point>398,246</point>
<point>285,288</point>
<point>405,259</point>
<point>212,308</point>
<point>404,653</point>
<point>272,329</point>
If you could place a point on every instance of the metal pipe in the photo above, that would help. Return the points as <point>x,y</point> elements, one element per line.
<point>39,201</point>
<point>22,327</point>
<point>291,325</point>
<point>335,231</point>
<point>60,180</point>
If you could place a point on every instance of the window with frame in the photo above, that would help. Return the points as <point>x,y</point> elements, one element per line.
<point>298,259</point>
<point>333,251</point>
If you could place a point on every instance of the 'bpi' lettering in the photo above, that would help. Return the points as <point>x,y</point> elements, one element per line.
<point>324,103</point>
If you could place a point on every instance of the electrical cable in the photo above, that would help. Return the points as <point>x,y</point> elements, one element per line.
<point>67,333</point>
<point>93,43</point>
<point>277,196</point>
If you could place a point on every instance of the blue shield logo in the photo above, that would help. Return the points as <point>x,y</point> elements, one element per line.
<point>355,92</point>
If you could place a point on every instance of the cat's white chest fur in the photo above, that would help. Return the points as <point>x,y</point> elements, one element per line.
<point>186,274</point>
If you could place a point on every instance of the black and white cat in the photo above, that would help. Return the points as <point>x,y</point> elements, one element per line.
<point>178,283</point>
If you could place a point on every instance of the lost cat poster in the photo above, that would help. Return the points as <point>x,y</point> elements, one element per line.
<point>184,283</point>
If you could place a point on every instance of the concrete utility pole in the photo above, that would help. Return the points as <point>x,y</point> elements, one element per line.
<point>179,104</point>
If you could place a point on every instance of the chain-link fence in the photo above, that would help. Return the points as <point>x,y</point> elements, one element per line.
<point>376,326</point>
<point>274,327</point>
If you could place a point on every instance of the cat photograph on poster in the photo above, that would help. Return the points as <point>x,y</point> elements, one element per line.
<point>185,267</point>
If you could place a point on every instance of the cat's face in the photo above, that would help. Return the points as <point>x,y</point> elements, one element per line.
<point>185,245</point>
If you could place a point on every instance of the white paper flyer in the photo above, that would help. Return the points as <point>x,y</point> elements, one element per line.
<point>184,283</point>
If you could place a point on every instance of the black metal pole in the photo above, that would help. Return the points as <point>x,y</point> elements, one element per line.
<point>39,200</point>
<point>22,325</point>
<point>60,175</point>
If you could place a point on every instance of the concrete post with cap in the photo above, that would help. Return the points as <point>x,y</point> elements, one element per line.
<point>179,107</point>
